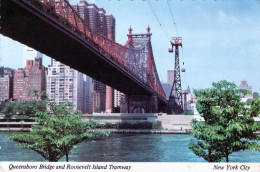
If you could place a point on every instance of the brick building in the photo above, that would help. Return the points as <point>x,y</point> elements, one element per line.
<point>32,77</point>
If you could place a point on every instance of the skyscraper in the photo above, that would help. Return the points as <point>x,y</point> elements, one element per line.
<point>32,77</point>
<point>110,27</point>
<point>98,96</point>
<point>6,84</point>
<point>103,23</point>
<point>87,106</point>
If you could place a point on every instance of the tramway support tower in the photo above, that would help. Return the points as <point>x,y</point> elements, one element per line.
<point>175,103</point>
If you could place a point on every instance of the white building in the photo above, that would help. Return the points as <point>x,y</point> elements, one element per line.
<point>67,84</point>
<point>117,97</point>
<point>30,54</point>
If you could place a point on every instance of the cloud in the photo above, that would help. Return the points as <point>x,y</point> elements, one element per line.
<point>224,18</point>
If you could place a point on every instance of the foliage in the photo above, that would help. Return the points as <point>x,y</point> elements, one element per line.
<point>188,112</point>
<point>25,109</point>
<point>57,133</point>
<point>140,125</point>
<point>35,94</point>
<point>108,125</point>
<point>2,72</point>
<point>157,125</point>
<point>97,110</point>
<point>229,124</point>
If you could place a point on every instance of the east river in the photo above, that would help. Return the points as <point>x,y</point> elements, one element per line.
<point>124,148</point>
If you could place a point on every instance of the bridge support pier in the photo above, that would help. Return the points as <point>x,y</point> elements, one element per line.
<point>139,104</point>
<point>109,99</point>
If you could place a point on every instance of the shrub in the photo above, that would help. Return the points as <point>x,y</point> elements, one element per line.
<point>157,125</point>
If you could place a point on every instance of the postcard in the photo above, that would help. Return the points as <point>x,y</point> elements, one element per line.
<point>129,85</point>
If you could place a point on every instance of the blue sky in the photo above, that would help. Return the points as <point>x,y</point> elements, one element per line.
<point>221,39</point>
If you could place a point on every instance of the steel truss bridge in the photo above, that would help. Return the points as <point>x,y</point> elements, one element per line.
<point>54,28</point>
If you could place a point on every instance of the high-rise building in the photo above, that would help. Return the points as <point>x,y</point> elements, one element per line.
<point>103,23</point>
<point>92,17</point>
<point>6,84</point>
<point>110,27</point>
<point>30,78</point>
<point>170,76</point>
<point>81,9</point>
<point>98,96</point>
<point>67,84</point>
<point>117,98</point>
<point>87,91</point>
<point>30,54</point>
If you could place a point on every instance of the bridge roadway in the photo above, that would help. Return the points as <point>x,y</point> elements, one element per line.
<point>40,30</point>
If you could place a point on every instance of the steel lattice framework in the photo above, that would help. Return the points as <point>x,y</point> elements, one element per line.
<point>136,57</point>
<point>175,103</point>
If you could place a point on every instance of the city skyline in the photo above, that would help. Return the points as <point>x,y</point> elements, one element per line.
<point>215,44</point>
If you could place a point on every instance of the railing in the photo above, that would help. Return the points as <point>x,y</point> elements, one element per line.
<point>115,52</point>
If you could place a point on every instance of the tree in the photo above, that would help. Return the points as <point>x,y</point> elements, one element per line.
<point>56,134</point>
<point>2,72</point>
<point>229,124</point>
<point>97,110</point>
<point>188,112</point>
<point>35,93</point>
<point>25,109</point>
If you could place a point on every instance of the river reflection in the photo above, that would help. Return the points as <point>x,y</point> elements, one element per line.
<point>124,148</point>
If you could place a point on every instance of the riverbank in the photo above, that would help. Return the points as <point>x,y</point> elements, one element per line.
<point>119,131</point>
<point>146,131</point>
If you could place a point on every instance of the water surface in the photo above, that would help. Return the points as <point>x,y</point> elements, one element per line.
<point>124,148</point>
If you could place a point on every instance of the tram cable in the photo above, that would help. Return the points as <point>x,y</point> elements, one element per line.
<point>158,20</point>
<point>173,18</point>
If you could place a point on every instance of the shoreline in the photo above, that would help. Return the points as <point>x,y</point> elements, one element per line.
<point>119,131</point>
<point>147,131</point>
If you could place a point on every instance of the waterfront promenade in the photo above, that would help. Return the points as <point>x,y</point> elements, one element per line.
<point>170,123</point>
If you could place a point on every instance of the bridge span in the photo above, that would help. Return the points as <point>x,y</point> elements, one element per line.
<point>55,29</point>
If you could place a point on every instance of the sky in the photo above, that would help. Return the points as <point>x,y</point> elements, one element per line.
<point>221,38</point>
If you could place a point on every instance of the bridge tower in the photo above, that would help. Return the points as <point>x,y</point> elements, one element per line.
<point>175,103</point>
<point>141,53</point>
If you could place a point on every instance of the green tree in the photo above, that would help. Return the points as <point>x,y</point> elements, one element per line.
<point>188,112</point>
<point>157,125</point>
<point>25,109</point>
<point>97,110</point>
<point>35,93</point>
<point>56,134</point>
<point>229,124</point>
<point>2,72</point>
